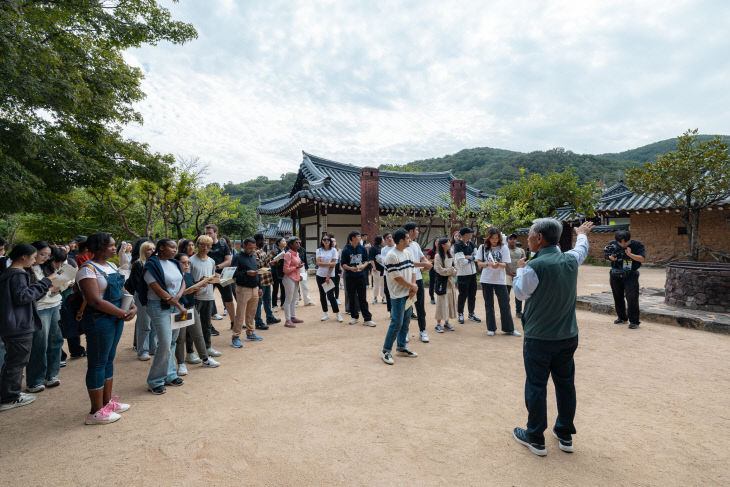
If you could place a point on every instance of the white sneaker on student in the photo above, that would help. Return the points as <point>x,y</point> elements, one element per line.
<point>275,309</point>
<point>217,317</point>
<point>182,369</point>
<point>22,400</point>
<point>353,321</point>
<point>369,323</point>
<point>424,337</point>
<point>339,318</point>
<point>325,317</point>
<point>210,363</point>
<point>490,333</point>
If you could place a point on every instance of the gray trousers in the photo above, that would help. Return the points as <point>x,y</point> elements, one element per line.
<point>17,355</point>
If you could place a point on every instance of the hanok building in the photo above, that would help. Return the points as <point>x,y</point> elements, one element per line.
<point>658,226</point>
<point>275,230</point>
<point>336,198</point>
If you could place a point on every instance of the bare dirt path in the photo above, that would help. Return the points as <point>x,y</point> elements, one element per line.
<point>316,406</point>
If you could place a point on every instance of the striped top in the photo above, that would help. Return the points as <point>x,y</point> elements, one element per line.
<point>398,263</point>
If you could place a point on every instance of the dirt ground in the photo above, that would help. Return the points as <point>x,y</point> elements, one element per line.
<point>315,405</point>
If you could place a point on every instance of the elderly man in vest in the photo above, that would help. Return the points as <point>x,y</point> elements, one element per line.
<point>548,286</point>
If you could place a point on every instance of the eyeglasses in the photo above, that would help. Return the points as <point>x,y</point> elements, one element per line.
<point>326,240</point>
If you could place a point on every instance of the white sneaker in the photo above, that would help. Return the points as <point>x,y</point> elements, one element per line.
<point>212,352</point>
<point>369,323</point>
<point>338,301</point>
<point>375,301</point>
<point>339,318</point>
<point>103,416</point>
<point>424,337</point>
<point>217,317</point>
<point>514,333</point>
<point>210,363</point>
<point>325,317</point>
<point>53,382</point>
<point>23,400</point>
<point>36,388</point>
<point>384,301</point>
<point>353,321</point>
<point>182,369</point>
<point>225,312</point>
<point>275,309</point>
<point>490,333</point>
<point>192,358</point>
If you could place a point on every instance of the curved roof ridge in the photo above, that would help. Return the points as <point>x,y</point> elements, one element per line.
<point>274,198</point>
<point>383,172</point>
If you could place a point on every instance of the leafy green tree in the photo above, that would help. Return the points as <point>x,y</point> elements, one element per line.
<point>542,194</point>
<point>691,178</point>
<point>240,224</point>
<point>66,93</point>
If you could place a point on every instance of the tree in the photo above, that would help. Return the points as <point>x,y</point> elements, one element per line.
<point>209,204</point>
<point>240,224</point>
<point>491,212</point>
<point>66,93</point>
<point>543,194</point>
<point>690,179</point>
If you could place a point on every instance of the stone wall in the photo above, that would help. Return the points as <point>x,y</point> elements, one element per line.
<point>696,285</point>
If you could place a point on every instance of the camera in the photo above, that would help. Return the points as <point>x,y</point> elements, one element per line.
<point>613,249</point>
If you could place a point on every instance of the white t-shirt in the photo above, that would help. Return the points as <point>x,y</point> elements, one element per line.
<point>499,254</point>
<point>199,269</point>
<point>416,255</point>
<point>383,254</point>
<point>327,256</point>
<point>173,279</point>
<point>86,272</point>
<point>398,264</point>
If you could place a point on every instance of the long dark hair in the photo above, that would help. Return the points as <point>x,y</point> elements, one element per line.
<point>57,255</point>
<point>435,244</point>
<point>378,240</point>
<point>183,245</point>
<point>440,247</point>
<point>321,242</point>
<point>490,232</point>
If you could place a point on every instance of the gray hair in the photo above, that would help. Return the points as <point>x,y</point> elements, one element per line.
<point>550,228</point>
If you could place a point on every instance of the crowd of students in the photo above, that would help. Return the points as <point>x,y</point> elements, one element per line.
<point>160,279</point>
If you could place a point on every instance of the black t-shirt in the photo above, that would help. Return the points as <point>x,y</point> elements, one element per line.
<point>624,262</point>
<point>218,252</point>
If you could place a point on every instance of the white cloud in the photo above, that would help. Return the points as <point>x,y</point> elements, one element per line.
<point>375,82</point>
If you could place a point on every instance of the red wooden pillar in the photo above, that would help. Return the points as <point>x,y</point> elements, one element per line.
<point>370,201</point>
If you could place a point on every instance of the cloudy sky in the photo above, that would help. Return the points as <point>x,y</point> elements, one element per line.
<point>371,82</point>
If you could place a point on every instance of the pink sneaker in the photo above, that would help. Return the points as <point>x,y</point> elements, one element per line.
<point>103,416</point>
<point>294,319</point>
<point>117,407</point>
<point>289,324</point>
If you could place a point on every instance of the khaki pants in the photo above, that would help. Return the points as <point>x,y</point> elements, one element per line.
<point>247,300</point>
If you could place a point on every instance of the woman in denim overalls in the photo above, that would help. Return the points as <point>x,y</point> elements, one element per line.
<point>103,288</point>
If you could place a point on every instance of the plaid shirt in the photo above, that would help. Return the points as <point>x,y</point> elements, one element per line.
<point>264,260</point>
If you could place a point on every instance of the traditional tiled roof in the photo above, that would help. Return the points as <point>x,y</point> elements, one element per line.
<point>619,198</point>
<point>566,214</point>
<point>333,182</point>
<point>279,229</point>
<point>596,229</point>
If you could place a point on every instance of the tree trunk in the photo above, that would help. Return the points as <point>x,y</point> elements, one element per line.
<point>693,233</point>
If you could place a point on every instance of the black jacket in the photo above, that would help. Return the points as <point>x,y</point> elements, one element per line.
<point>136,278</point>
<point>637,248</point>
<point>245,262</point>
<point>18,312</point>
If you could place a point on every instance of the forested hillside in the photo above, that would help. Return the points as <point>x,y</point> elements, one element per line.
<point>489,169</point>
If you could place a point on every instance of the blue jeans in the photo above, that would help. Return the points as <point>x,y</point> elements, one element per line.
<point>544,358</point>
<point>266,300</point>
<point>101,346</point>
<point>45,354</point>
<point>400,319</point>
<point>146,341</point>
<point>163,367</point>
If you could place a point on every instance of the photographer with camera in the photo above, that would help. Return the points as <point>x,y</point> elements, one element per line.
<point>626,256</point>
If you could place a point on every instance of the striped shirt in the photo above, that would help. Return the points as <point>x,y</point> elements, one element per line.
<point>398,263</point>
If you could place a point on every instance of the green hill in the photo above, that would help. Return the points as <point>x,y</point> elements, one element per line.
<point>489,169</point>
